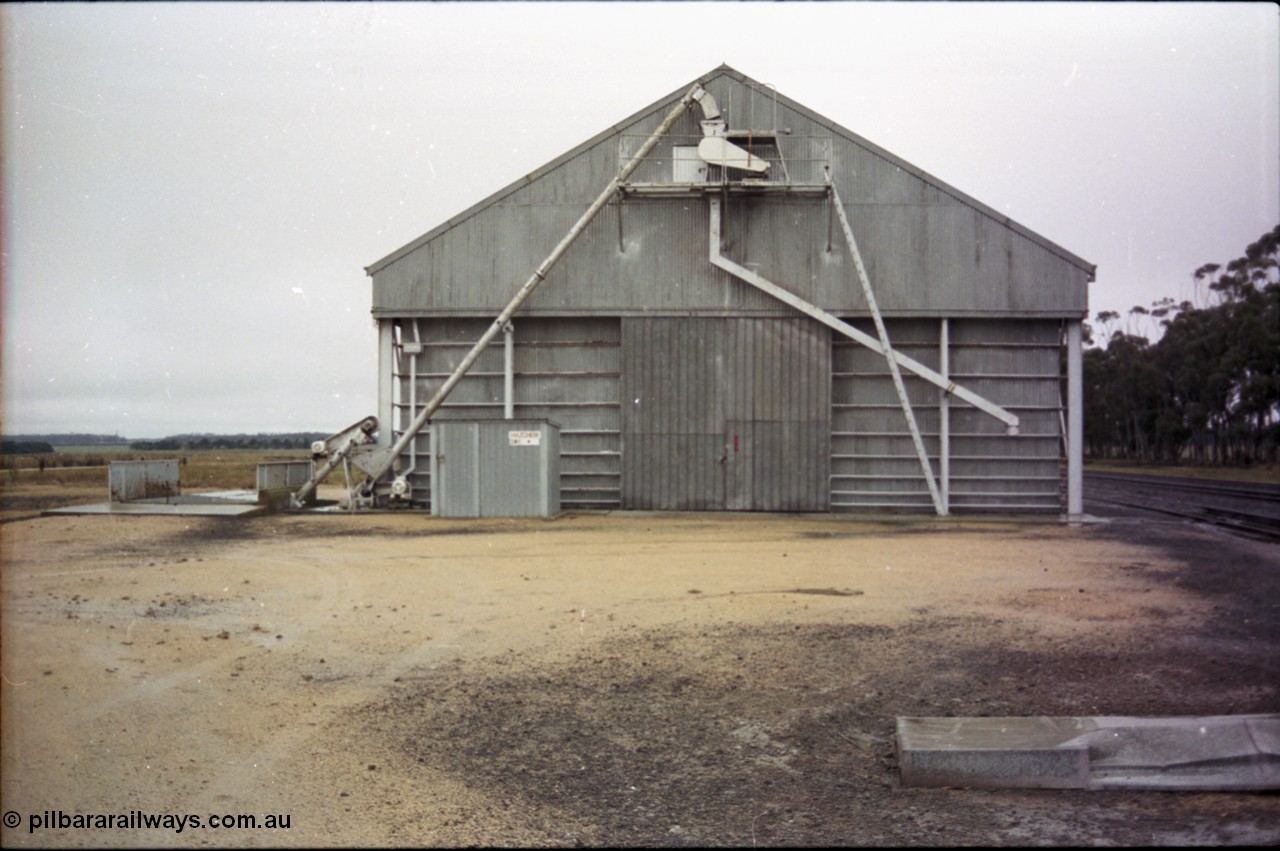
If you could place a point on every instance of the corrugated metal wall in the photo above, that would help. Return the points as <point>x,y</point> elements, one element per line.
<point>1019,365</point>
<point>1014,364</point>
<point>777,414</point>
<point>678,386</point>
<point>566,371</point>
<point>930,251</point>
<point>873,463</point>
<point>723,413</point>
<point>130,480</point>
<point>495,468</point>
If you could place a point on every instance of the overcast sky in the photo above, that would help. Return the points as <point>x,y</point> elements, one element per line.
<point>192,192</point>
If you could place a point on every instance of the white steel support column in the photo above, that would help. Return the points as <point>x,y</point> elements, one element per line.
<point>387,369</point>
<point>508,371</point>
<point>408,411</point>
<point>1075,423</point>
<point>944,416</point>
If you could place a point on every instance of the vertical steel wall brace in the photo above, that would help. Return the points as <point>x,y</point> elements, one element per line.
<point>622,244</point>
<point>413,393</point>
<point>831,215</point>
<point>1075,422</point>
<point>388,366</point>
<point>508,372</point>
<point>944,415</point>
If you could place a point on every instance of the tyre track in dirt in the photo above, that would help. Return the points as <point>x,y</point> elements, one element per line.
<point>458,683</point>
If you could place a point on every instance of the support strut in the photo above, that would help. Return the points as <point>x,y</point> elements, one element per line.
<point>696,94</point>
<point>939,505</point>
<point>336,449</point>
<point>880,346</point>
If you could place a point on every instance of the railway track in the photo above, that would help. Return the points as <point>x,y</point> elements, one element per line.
<point>1252,510</point>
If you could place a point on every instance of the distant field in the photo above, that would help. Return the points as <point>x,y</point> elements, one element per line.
<point>95,449</point>
<point>81,466</point>
<point>1261,474</point>
<point>226,469</point>
<point>80,477</point>
<point>122,449</point>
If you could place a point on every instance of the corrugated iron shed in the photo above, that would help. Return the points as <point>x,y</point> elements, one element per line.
<point>679,385</point>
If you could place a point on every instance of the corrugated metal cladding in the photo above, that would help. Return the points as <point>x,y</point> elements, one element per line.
<point>130,480</point>
<point>566,371</point>
<point>1012,363</point>
<point>723,413</point>
<point>496,468</point>
<point>930,249</point>
<point>677,386</point>
<point>741,413</point>
<point>284,474</point>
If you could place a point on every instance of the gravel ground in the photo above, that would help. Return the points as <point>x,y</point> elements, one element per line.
<point>624,679</point>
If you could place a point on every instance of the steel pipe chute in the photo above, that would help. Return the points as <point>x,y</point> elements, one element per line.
<point>695,95</point>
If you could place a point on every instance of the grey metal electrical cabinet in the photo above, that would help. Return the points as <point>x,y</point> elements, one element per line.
<point>495,468</point>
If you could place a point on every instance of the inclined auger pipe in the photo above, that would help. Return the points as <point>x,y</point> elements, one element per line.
<point>695,94</point>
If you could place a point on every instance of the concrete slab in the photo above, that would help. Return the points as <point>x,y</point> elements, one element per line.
<point>144,507</point>
<point>1214,753</point>
<point>228,503</point>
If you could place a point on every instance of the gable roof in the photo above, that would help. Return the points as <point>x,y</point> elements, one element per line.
<point>668,100</point>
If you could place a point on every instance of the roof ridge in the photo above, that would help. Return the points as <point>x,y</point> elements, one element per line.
<point>724,69</point>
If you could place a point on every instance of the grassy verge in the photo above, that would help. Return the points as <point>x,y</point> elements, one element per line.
<point>78,479</point>
<point>213,469</point>
<point>1260,474</point>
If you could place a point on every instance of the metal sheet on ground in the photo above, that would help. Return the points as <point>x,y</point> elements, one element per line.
<point>207,509</point>
<point>1215,753</point>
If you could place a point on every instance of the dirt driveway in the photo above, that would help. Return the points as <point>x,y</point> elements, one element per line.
<point>652,679</point>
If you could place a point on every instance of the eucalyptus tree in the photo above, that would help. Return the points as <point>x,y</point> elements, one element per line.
<point>1209,389</point>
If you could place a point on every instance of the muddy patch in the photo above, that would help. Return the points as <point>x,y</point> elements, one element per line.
<point>785,735</point>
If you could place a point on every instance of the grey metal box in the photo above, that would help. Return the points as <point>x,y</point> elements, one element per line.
<point>284,474</point>
<point>495,468</point>
<point>131,480</point>
<point>278,480</point>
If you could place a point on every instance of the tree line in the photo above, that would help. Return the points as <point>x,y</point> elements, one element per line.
<point>197,442</point>
<point>48,444</point>
<point>1208,390</point>
<point>26,447</point>
<point>66,439</point>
